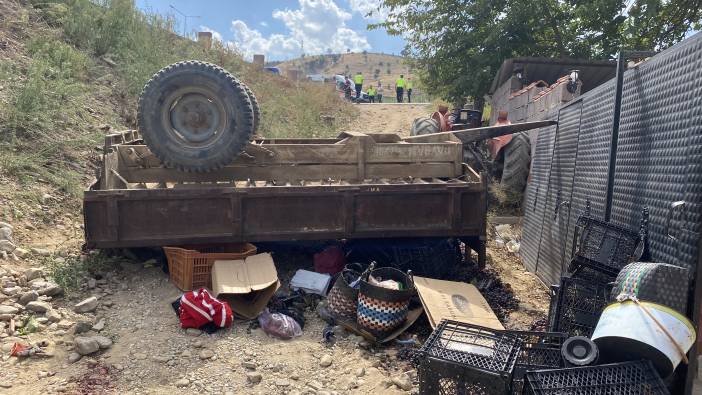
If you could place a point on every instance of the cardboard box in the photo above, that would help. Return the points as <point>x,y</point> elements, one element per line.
<point>246,284</point>
<point>455,301</point>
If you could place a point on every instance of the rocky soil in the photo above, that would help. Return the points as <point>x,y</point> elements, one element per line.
<point>113,329</point>
<point>130,308</point>
<point>117,333</point>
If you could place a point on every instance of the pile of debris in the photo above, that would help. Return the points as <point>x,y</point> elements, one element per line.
<point>615,325</point>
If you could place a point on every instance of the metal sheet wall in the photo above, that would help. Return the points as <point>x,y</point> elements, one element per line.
<point>593,151</point>
<point>535,199</point>
<point>660,109</point>
<point>592,159</point>
<point>659,160</point>
<point>560,188</point>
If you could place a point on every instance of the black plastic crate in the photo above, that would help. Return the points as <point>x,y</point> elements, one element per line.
<point>540,350</point>
<point>592,275</point>
<point>627,378</point>
<point>429,257</point>
<point>604,246</point>
<point>577,305</point>
<point>459,358</point>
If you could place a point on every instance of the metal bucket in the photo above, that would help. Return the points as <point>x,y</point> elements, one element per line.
<point>626,333</point>
<point>382,310</point>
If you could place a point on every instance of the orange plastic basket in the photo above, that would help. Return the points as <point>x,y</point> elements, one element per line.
<point>190,267</point>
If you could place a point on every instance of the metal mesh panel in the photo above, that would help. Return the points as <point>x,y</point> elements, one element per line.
<point>628,378</point>
<point>550,265</point>
<point>659,120</point>
<point>535,199</point>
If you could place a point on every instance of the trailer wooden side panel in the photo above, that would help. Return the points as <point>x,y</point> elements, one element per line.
<point>172,216</point>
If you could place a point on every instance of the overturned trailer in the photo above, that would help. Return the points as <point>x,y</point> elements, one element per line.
<point>355,186</point>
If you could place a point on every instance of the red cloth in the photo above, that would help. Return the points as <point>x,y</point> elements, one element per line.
<point>197,308</point>
<point>331,261</point>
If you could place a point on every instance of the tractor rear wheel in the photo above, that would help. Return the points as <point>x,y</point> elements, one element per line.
<point>515,167</point>
<point>422,126</point>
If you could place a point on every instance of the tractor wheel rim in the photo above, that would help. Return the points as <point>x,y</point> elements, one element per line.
<point>195,116</point>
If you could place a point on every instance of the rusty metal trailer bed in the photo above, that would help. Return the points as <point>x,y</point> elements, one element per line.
<point>355,186</point>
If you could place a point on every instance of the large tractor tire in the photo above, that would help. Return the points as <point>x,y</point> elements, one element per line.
<point>515,168</point>
<point>195,116</point>
<point>422,126</point>
<point>473,158</point>
<point>254,106</point>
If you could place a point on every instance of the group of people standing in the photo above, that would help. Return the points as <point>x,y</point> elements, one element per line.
<point>400,85</point>
<point>375,94</point>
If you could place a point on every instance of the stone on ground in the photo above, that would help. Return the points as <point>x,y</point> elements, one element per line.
<point>87,305</point>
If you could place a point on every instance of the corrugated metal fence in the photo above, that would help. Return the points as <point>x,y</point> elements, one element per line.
<point>658,161</point>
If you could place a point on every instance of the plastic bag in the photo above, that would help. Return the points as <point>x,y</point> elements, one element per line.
<point>388,284</point>
<point>279,325</point>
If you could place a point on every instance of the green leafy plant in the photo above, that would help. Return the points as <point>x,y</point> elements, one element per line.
<point>72,271</point>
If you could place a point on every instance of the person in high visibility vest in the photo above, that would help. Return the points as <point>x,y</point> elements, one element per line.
<point>400,88</point>
<point>379,93</point>
<point>371,94</point>
<point>408,86</point>
<point>358,80</point>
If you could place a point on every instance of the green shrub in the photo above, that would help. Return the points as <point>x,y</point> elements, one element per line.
<point>99,54</point>
<point>51,93</point>
<point>73,271</point>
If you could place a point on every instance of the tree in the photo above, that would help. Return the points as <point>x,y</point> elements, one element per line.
<point>657,24</point>
<point>458,45</point>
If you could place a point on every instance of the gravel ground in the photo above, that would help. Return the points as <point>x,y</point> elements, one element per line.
<point>148,352</point>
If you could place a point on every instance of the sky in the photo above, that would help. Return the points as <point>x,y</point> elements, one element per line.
<point>283,29</point>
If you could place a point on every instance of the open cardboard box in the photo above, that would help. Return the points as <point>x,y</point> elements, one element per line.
<point>246,284</point>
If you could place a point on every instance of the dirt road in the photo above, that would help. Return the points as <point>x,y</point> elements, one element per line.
<point>390,118</point>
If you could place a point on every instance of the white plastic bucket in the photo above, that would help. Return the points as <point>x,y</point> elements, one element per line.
<point>625,332</point>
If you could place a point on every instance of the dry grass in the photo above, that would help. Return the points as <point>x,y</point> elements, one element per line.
<point>503,202</point>
<point>71,67</point>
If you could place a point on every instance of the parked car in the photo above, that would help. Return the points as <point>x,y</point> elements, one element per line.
<point>315,77</point>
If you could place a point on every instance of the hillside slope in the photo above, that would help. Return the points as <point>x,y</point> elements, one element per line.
<point>374,66</point>
<point>71,71</point>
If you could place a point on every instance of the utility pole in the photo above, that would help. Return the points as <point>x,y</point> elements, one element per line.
<point>185,19</point>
